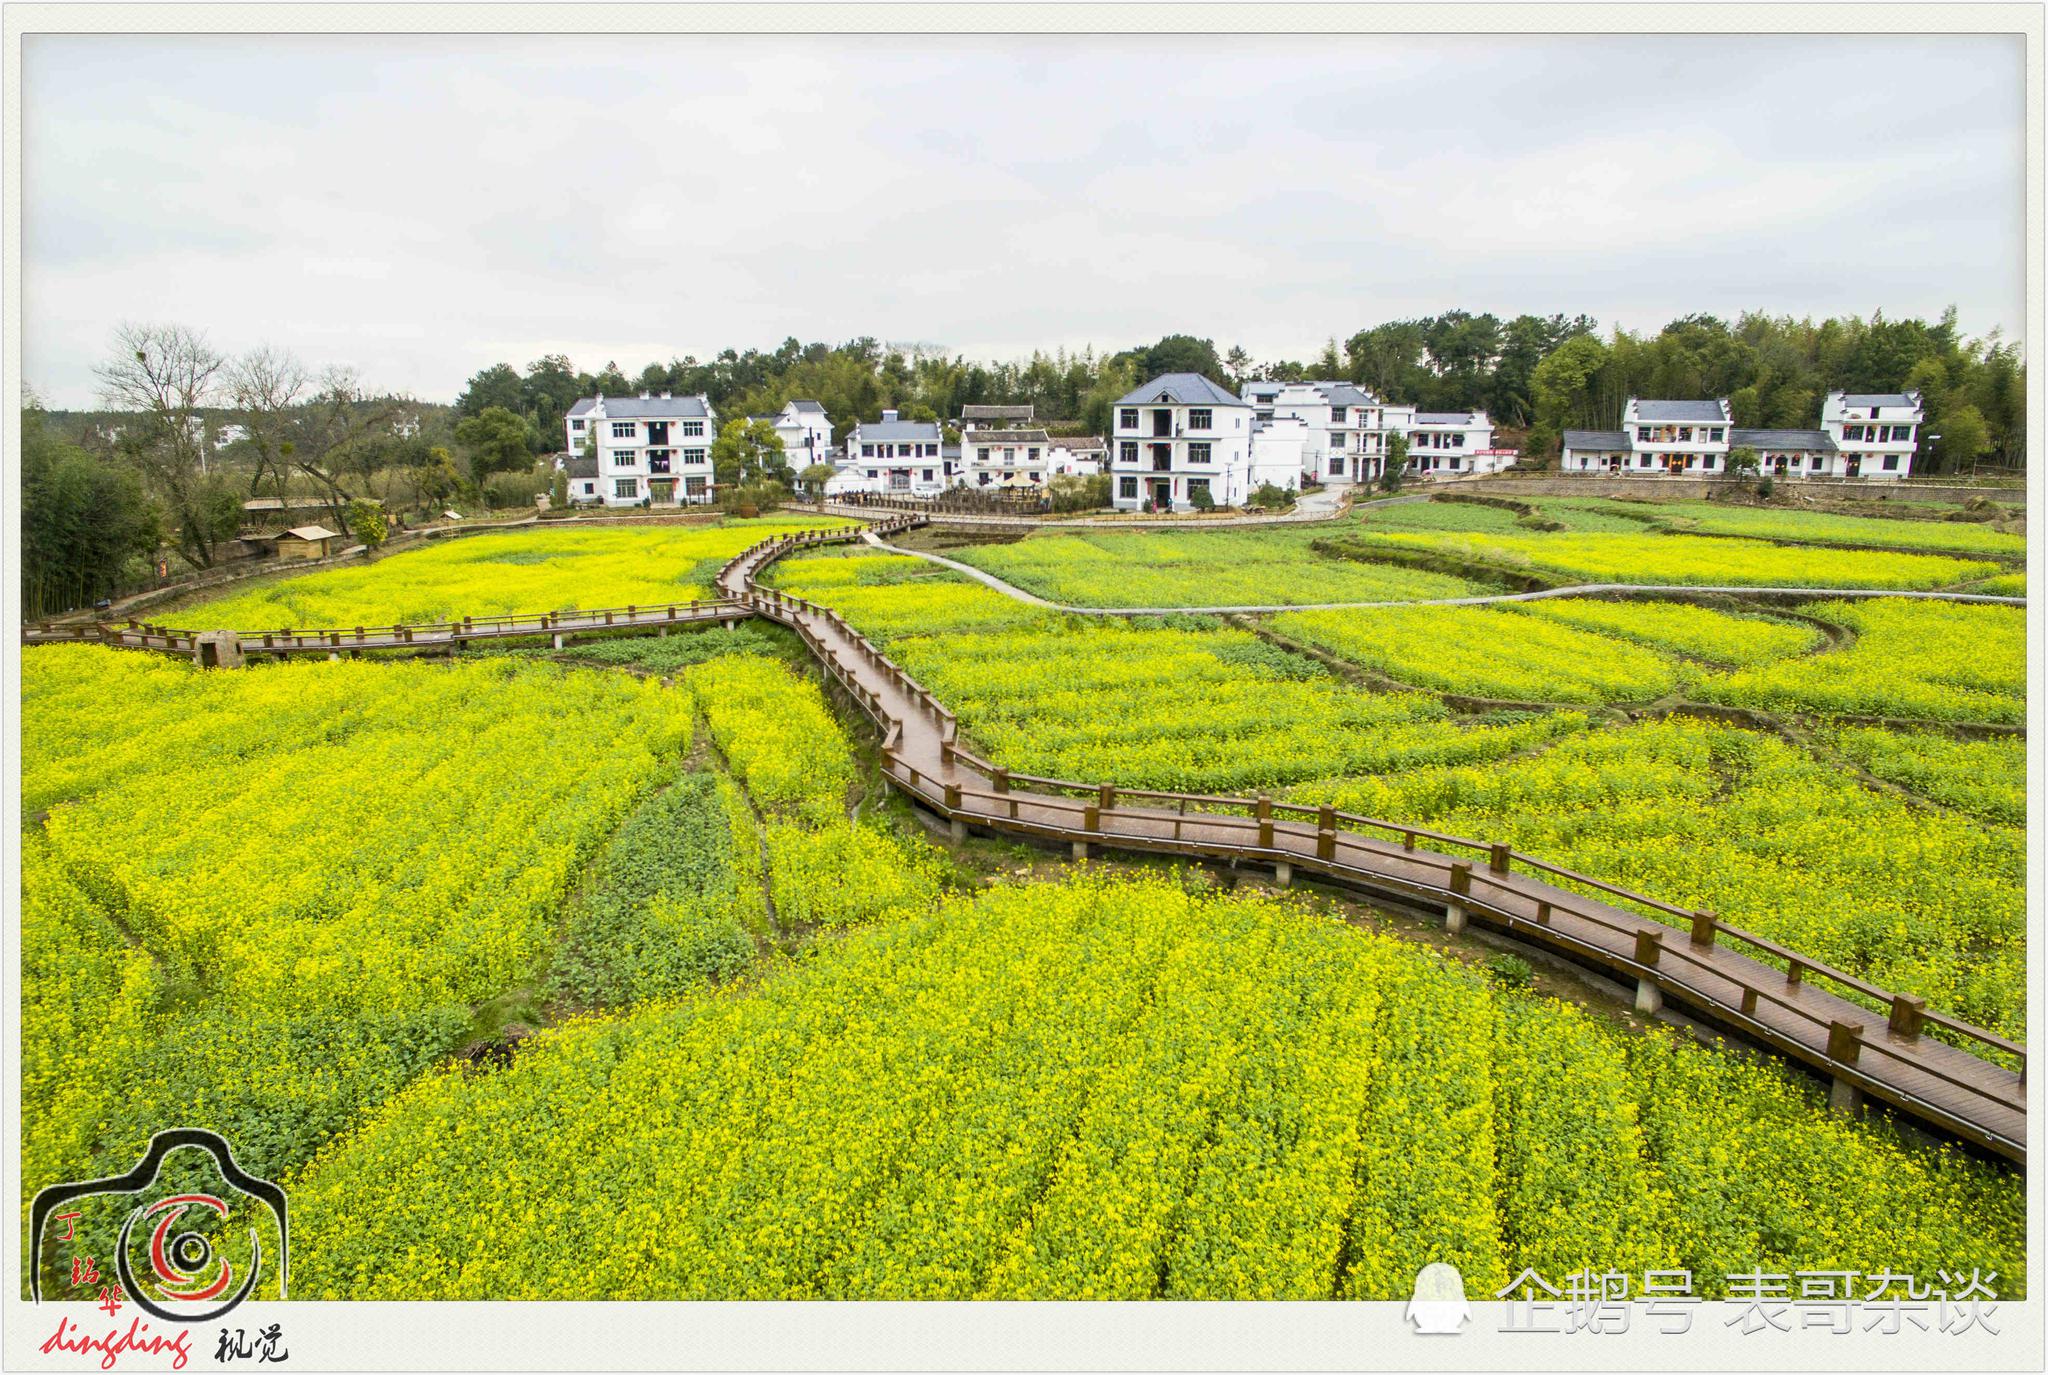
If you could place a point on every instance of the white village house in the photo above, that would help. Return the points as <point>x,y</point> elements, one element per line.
<point>895,458</point>
<point>1345,426</point>
<point>1181,437</point>
<point>805,431</point>
<point>1004,458</point>
<point>1861,435</point>
<point>1448,443</point>
<point>1076,456</point>
<point>652,448</point>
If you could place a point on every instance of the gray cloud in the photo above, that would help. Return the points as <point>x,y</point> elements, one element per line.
<point>420,207</point>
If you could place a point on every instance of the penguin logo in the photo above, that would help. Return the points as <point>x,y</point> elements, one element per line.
<point>1438,1308</point>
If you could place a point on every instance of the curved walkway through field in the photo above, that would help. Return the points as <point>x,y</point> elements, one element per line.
<point>1865,1039</point>
<point>1580,590</point>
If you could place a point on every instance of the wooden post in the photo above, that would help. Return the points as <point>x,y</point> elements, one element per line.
<point>1461,878</point>
<point>1497,858</point>
<point>1749,1002</point>
<point>1326,843</point>
<point>1091,818</point>
<point>1703,928</point>
<point>1408,840</point>
<point>1793,969</point>
<point>1909,1015</point>
<point>1326,818</point>
<point>1001,778</point>
<point>1105,797</point>
<point>1845,1041</point>
<point>1649,945</point>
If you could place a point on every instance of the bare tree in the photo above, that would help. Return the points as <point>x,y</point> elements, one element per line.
<point>164,375</point>
<point>338,435</point>
<point>267,386</point>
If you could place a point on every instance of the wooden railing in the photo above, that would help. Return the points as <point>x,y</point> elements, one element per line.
<point>1478,874</point>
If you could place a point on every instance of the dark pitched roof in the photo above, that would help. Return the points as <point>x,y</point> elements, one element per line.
<point>1344,394</point>
<point>983,439</point>
<point>898,431</point>
<point>1867,399</point>
<point>807,406</point>
<point>1707,412</point>
<point>1595,439</point>
<point>1180,389</point>
<point>583,467</point>
<point>998,412</point>
<point>644,407</point>
<point>1444,417</point>
<point>1816,440</point>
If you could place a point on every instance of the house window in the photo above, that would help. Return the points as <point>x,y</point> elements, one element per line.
<point>1457,442</point>
<point>1337,415</point>
<point>1127,488</point>
<point>1643,433</point>
<point>1852,432</point>
<point>1643,462</point>
<point>1197,485</point>
<point>928,475</point>
<point>1009,455</point>
<point>696,456</point>
<point>1816,462</point>
<point>1199,419</point>
<point>590,489</point>
<point>622,458</point>
<point>693,429</point>
<point>576,425</point>
<point>867,451</point>
<point>1336,465</point>
<point>657,460</point>
<point>694,486</point>
<point>1715,434</point>
<point>1127,452</point>
<point>1198,453</point>
<point>1031,455</point>
<point>982,454</point>
<point>1127,420</point>
<point>1891,463</point>
<point>626,487</point>
<point>622,429</point>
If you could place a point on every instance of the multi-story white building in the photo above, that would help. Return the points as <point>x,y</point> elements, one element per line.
<point>1448,443</point>
<point>1860,436</point>
<point>1875,435</point>
<point>652,448</point>
<point>1178,436</point>
<point>806,433</point>
<point>1280,453</point>
<point>995,458</point>
<point>1347,426</point>
<point>894,457</point>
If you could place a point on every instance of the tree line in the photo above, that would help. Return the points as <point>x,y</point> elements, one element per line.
<point>1535,374</point>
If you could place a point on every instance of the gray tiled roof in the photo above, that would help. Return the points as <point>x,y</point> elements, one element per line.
<point>582,406</point>
<point>583,467</point>
<point>646,407</point>
<point>1595,439</point>
<point>1816,440</point>
<point>1344,394</point>
<point>1667,411</point>
<point>1443,417</point>
<point>898,432</point>
<point>984,439</point>
<point>1180,389</point>
<point>1878,399</point>
<point>998,412</point>
<point>807,406</point>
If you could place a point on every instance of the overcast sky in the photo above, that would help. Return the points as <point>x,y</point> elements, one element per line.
<point>422,207</point>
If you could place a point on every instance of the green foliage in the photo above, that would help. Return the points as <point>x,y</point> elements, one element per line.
<point>777,735</point>
<point>498,441</point>
<point>1510,971</point>
<point>665,908</point>
<point>748,453</point>
<point>1742,460</point>
<point>1986,778</point>
<point>85,522</point>
<point>365,520</point>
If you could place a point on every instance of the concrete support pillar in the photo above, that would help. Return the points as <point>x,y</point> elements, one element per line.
<point>1454,918</point>
<point>959,829</point>
<point>558,639</point>
<point>1649,997</point>
<point>1080,849</point>
<point>333,656</point>
<point>1283,874</point>
<point>1844,1097</point>
<point>662,632</point>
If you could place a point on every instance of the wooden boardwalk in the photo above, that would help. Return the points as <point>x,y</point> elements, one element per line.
<point>1869,1042</point>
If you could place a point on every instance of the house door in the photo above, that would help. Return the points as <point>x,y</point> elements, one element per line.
<point>1854,467</point>
<point>1614,464</point>
<point>661,490</point>
<point>1162,495</point>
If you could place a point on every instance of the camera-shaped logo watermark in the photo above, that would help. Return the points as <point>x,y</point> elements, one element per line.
<point>180,1254</point>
